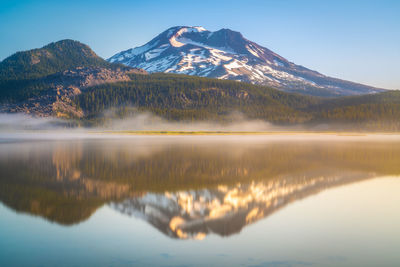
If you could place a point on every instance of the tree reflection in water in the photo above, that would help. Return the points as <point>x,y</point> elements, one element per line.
<point>185,189</point>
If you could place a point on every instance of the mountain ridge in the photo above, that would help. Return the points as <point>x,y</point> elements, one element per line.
<point>83,88</point>
<point>226,54</point>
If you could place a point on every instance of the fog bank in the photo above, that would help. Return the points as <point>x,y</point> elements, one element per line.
<point>22,126</point>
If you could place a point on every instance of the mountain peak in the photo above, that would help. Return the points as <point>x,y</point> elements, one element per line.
<point>51,58</point>
<point>65,42</point>
<point>72,45</point>
<point>194,28</point>
<point>226,54</point>
<point>229,32</point>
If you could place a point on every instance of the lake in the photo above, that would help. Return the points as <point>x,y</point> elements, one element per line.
<point>199,201</point>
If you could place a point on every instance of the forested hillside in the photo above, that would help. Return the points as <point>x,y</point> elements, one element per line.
<point>52,58</point>
<point>376,111</point>
<point>181,97</point>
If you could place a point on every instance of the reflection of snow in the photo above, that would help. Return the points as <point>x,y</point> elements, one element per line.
<point>193,214</point>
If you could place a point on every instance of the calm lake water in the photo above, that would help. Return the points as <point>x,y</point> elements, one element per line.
<point>199,201</point>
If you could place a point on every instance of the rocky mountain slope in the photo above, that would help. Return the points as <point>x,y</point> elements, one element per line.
<point>226,54</point>
<point>43,81</point>
<point>62,88</point>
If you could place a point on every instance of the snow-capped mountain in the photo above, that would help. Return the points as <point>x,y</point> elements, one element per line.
<point>226,54</point>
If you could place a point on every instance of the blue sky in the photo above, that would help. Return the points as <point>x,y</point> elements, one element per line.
<point>353,40</point>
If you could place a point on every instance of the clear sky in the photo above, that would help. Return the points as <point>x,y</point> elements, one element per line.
<point>354,40</point>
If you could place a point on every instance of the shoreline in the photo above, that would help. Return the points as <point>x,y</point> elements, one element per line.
<point>206,136</point>
<point>247,133</point>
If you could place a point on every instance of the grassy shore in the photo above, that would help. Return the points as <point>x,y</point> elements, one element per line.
<point>246,133</point>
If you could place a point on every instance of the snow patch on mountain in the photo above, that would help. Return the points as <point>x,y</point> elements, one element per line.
<point>226,54</point>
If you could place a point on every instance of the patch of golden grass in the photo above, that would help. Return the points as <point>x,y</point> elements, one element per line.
<point>242,133</point>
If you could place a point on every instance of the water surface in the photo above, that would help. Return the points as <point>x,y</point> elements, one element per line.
<point>197,201</point>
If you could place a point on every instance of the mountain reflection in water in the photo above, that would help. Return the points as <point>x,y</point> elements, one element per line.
<point>185,189</point>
